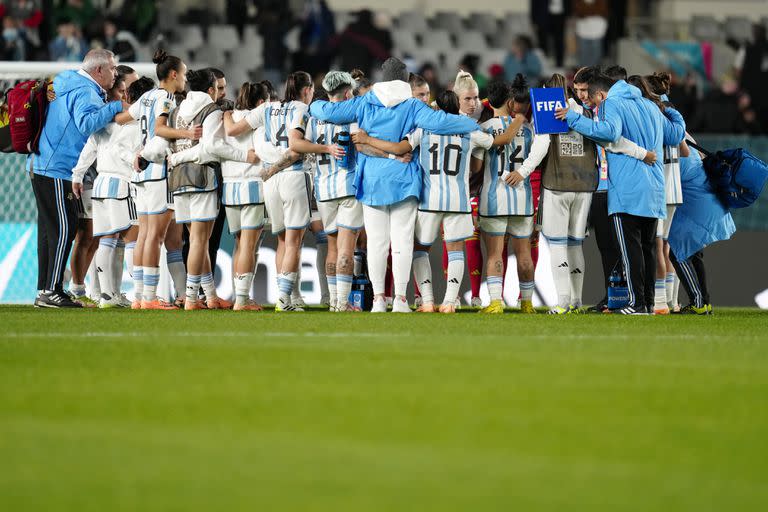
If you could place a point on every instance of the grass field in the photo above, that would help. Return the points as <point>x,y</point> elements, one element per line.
<point>158,411</point>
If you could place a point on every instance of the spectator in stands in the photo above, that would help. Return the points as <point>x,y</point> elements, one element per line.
<point>14,45</point>
<point>27,16</point>
<point>719,111</point>
<point>274,20</point>
<point>549,18</point>
<point>521,59</point>
<point>362,45</point>
<point>471,64</point>
<point>683,92</point>
<point>80,12</point>
<point>69,44</point>
<point>752,66</point>
<point>123,49</point>
<point>317,30</point>
<point>591,27</point>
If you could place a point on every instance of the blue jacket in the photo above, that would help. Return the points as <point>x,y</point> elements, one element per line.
<point>634,187</point>
<point>389,113</point>
<point>77,112</point>
<point>702,219</point>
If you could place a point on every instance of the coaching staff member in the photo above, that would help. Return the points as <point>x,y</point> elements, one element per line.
<point>78,110</point>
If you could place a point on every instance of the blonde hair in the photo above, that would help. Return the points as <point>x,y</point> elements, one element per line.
<point>464,82</point>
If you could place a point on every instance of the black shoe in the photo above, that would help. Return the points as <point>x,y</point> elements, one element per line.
<point>629,310</point>
<point>600,307</point>
<point>56,300</point>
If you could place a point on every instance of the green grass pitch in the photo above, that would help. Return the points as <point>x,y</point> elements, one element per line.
<point>173,411</point>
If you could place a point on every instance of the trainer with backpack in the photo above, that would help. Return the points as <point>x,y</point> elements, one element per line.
<point>79,109</point>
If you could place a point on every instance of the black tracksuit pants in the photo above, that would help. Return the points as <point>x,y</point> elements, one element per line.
<point>636,239</point>
<point>605,237</point>
<point>693,276</point>
<point>56,226</point>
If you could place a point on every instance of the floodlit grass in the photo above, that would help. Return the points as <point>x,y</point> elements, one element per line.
<point>211,410</point>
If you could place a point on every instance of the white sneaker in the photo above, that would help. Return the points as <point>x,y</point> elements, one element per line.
<point>123,300</point>
<point>108,302</point>
<point>457,304</point>
<point>379,305</point>
<point>400,306</point>
<point>298,303</point>
<point>477,302</point>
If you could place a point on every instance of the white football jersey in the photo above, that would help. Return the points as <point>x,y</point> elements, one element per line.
<point>444,162</point>
<point>278,119</point>
<point>672,185</point>
<point>331,179</point>
<point>497,199</point>
<point>152,105</point>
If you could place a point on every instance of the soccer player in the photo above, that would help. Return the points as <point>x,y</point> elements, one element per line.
<point>445,202</point>
<point>113,149</point>
<point>151,186</point>
<point>288,193</point>
<point>334,186</point>
<point>419,88</point>
<point>388,188</point>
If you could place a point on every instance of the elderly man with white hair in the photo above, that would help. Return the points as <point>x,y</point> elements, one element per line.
<point>80,108</point>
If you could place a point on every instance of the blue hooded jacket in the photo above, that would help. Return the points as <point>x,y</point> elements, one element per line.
<point>77,112</point>
<point>389,113</point>
<point>634,187</point>
<point>702,219</point>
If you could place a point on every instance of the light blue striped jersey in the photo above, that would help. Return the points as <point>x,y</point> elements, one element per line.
<point>152,105</point>
<point>331,180</point>
<point>497,199</point>
<point>672,186</point>
<point>278,119</point>
<point>444,162</point>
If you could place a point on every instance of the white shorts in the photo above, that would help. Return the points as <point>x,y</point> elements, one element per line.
<point>663,226</point>
<point>153,197</point>
<point>564,215</point>
<point>344,213</point>
<point>516,226</point>
<point>249,216</point>
<point>287,198</point>
<point>112,216</point>
<point>196,207</point>
<point>84,205</point>
<point>457,227</point>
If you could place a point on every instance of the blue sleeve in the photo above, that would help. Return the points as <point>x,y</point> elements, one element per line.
<point>337,113</point>
<point>674,127</point>
<point>91,114</point>
<point>441,123</point>
<point>607,129</point>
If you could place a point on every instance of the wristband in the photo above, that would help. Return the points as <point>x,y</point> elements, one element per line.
<point>391,156</point>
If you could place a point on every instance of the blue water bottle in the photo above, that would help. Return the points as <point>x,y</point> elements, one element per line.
<point>618,291</point>
<point>342,139</point>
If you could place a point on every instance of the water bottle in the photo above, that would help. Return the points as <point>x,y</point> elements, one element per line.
<point>361,295</point>
<point>342,139</point>
<point>618,291</point>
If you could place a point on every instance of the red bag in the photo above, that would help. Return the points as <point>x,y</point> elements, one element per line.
<point>27,107</point>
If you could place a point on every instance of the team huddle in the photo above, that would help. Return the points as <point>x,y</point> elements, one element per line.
<point>374,171</point>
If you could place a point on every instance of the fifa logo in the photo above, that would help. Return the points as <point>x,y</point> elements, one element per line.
<point>548,106</point>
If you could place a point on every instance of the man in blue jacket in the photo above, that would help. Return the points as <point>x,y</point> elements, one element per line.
<point>389,189</point>
<point>636,197</point>
<point>78,110</point>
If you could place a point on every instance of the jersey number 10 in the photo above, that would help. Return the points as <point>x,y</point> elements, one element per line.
<point>434,150</point>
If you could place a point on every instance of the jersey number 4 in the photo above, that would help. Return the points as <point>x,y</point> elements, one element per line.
<point>434,150</point>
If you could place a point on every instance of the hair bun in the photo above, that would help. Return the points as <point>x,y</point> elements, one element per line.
<point>159,57</point>
<point>357,74</point>
<point>463,74</point>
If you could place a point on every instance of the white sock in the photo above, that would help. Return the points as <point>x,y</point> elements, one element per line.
<point>178,273</point>
<point>138,283</point>
<point>105,261</point>
<point>331,281</point>
<point>285,286</point>
<point>343,289</point>
<point>561,272</point>
<point>660,293</point>
<point>422,272</point>
<point>93,280</point>
<point>455,275</point>
<point>526,290</point>
<point>151,278</point>
<point>129,247</point>
<point>117,265</point>
<point>78,290</point>
<point>495,287</point>
<point>670,286</point>
<point>675,291</point>
<point>321,246</point>
<point>209,287</point>
<point>193,286</point>
<point>296,290</point>
<point>576,263</point>
<point>243,284</point>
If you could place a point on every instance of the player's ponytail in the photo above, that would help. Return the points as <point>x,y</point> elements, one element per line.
<point>464,82</point>
<point>165,64</point>
<point>555,81</point>
<point>273,96</point>
<point>448,102</point>
<point>659,82</point>
<point>520,91</point>
<point>251,95</point>
<point>642,84</point>
<point>361,82</point>
<point>294,84</point>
